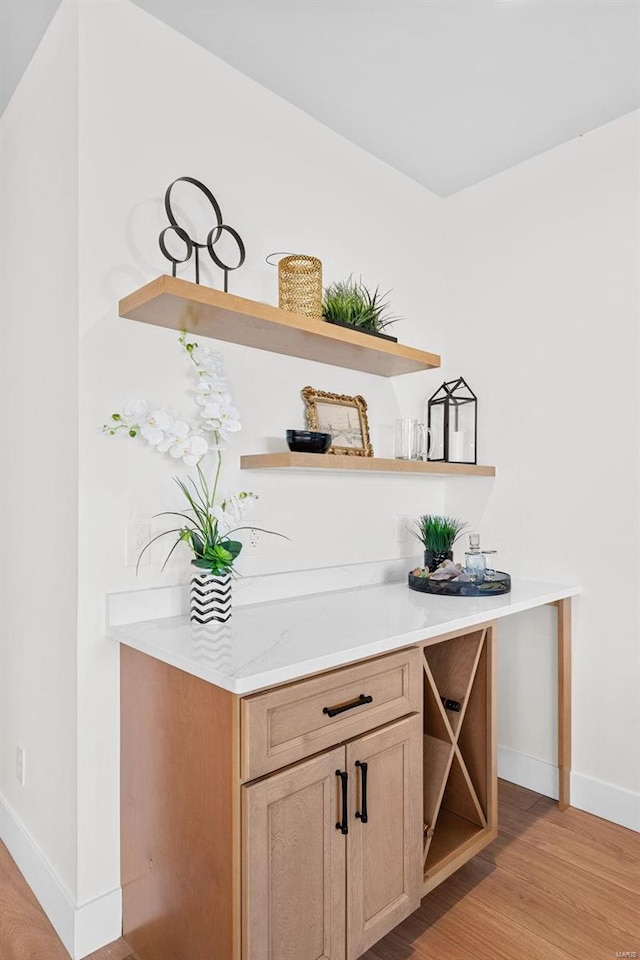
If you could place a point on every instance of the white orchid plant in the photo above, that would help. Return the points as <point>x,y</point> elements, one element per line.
<point>208,522</point>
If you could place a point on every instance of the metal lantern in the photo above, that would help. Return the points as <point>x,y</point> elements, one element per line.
<point>452,418</point>
<point>299,283</point>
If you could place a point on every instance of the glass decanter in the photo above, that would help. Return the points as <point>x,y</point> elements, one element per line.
<point>475,563</point>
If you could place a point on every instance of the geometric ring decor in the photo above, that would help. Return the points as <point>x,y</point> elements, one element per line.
<point>191,246</point>
<point>210,598</point>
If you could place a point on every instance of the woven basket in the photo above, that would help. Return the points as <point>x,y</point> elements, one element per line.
<point>300,285</point>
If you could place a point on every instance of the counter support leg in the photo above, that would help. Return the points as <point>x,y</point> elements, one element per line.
<point>564,702</point>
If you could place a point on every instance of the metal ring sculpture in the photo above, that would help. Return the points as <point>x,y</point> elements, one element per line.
<point>194,246</point>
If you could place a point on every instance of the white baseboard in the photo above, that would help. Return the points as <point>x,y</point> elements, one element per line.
<point>594,796</point>
<point>98,923</point>
<point>606,801</point>
<point>52,895</point>
<point>529,772</point>
<point>82,928</point>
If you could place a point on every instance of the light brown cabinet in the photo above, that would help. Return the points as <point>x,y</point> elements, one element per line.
<point>384,852</point>
<point>329,870</point>
<point>294,864</point>
<point>289,723</point>
<point>306,821</point>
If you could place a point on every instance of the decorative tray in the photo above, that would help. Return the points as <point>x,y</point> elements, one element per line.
<point>500,583</point>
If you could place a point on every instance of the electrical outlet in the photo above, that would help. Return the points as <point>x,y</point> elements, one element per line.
<point>20,765</point>
<point>137,536</point>
<point>255,542</point>
<point>402,529</point>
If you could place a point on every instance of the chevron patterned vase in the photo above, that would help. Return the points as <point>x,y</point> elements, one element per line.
<point>210,598</point>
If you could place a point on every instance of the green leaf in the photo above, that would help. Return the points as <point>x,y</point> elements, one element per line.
<point>203,498</point>
<point>222,554</point>
<point>116,416</point>
<point>133,433</point>
<point>197,543</point>
<point>202,517</point>
<point>153,540</point>
<point>350,301</point>
<point>438,533</point>
<point>174,513</point>
<point>216,569</point>
<point>272,533</point>
<point>168,556</point>
<point>233,547</point>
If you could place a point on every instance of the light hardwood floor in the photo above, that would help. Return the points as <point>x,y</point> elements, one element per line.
<point>25,932</point>
<point>553,886</point>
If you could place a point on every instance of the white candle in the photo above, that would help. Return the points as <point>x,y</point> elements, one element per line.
<point>456,445</point>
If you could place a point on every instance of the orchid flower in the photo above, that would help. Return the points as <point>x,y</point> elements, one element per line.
<point>209,522</point>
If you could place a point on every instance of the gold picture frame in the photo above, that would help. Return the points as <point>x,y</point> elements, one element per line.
<point>323,414</point>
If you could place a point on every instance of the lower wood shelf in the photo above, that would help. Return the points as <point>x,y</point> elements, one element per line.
<point>452,833</point>
<point>319,461</point>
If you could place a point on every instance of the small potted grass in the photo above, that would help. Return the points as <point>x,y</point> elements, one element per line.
<point>437,535</point>
<point>349,303</point>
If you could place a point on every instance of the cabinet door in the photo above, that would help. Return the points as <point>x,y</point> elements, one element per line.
<point>384,851</point>
<point>294,863</point>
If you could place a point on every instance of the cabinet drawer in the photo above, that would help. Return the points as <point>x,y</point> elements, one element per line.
<point>296,721</point>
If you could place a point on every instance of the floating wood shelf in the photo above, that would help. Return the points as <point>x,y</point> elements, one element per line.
<point>315,461</point>
<point>182,305</point>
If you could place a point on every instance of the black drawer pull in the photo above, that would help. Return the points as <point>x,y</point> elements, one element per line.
<point>334,711</point>
<point>344,779</point>
<point>364,767</point>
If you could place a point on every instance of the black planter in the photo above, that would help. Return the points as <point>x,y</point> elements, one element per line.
<point>433,560</point>
<point>370,333</point>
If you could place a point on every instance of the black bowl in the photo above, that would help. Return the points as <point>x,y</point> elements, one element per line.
<point>307,441</point>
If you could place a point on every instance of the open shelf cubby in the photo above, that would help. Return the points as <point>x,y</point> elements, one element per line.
<point>459,760</point>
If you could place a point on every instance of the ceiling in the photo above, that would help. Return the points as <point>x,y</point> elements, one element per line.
<point>22,25</point>
<point>447,91</point>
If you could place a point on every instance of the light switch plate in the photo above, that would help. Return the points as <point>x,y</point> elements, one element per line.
<point>402,529</point>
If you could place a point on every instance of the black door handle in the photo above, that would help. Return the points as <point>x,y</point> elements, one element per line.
<point>364,767</point>
<point>344,779</point>
<point>334,711</point>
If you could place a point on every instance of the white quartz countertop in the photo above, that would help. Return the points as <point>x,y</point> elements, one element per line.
<point>270,643</point>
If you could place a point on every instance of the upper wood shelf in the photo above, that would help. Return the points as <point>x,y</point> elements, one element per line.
<point>182,305</point>
<point>329,461</point>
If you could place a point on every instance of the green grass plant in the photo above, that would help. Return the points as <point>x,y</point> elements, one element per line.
<point>437,533</point>
<point>350,301</point>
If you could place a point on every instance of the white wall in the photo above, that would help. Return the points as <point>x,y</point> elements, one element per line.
<point>541,296</point>
<point>286,183</point>
<point>543,300</point>
<point>39,407</point>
